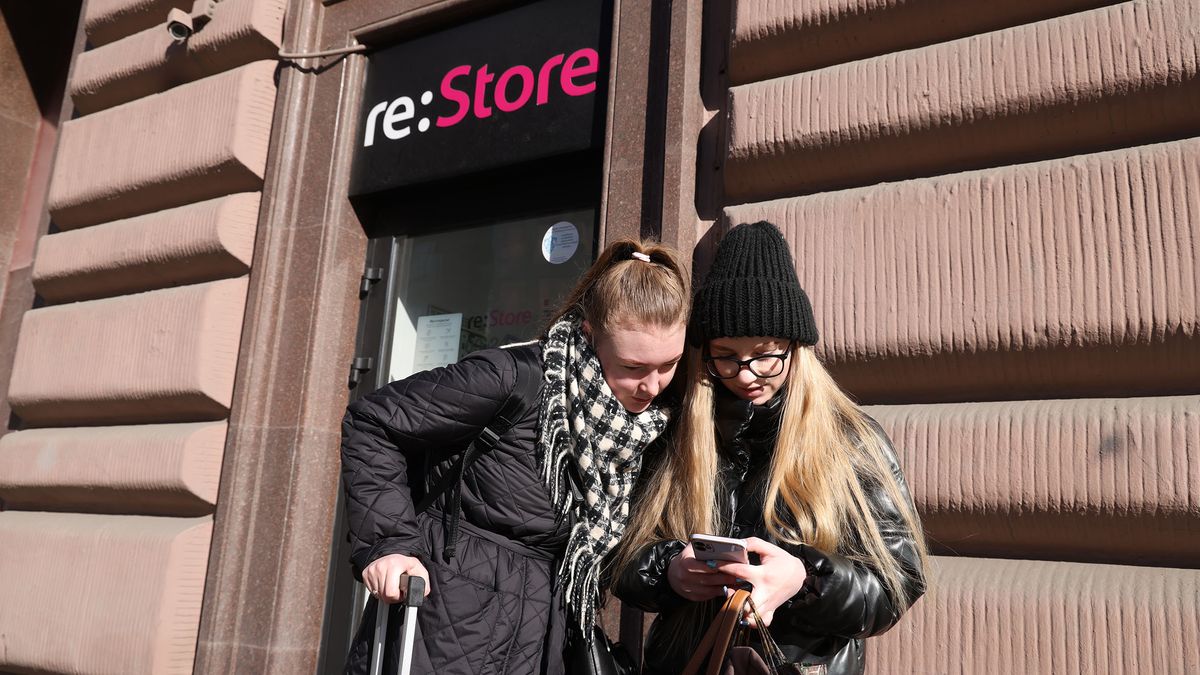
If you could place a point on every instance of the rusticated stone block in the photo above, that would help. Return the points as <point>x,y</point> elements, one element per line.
<point>199,242</point>
<point>197,141</point>
<point>148,62</point>
<point>772,38</point>
<point>997,617</point>
<point>94,594</point>
<point>152,469</point>
<point>162,356</point>
<point>1098,480</point>
<point>1096,80</point>
<point>1064,278</point>
<point>107,21</point>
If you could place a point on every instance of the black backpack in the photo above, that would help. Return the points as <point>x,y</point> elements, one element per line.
<point>525,396</point>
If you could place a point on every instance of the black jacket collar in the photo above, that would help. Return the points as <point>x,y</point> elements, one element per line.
<point>746,431</point>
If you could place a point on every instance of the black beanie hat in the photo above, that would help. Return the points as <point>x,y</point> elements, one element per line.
<point>752,290</point>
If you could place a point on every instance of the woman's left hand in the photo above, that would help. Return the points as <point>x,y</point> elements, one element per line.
<point>778,577</point>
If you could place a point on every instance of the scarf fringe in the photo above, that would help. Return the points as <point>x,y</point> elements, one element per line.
<point>598,521</point>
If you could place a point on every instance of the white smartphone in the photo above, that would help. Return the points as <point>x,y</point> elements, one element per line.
<point>712,547</point>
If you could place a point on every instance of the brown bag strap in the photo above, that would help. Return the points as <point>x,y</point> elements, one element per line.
<point>719,636</point>
<point>730,618</point>
<point>703,649</point>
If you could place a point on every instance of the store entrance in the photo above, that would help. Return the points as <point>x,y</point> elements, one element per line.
<point>480,203</point>
<point>448,274</point>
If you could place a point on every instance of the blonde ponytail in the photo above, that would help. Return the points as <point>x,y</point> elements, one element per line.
<point>651,289</point>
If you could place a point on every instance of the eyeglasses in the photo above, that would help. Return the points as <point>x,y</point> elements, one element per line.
<point>727,368</point>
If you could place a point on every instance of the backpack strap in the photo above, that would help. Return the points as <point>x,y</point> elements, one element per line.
<point>524,396</point>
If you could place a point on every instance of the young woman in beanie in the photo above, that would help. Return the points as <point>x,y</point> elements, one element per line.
<point>770,450</point>
<point>511,554</point>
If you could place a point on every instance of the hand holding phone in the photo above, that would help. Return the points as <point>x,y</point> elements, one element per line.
<point>695,579</point>
<point>778,576</point>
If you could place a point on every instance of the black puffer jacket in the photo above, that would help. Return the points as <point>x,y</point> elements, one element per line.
<point>495,607</point>
<point>841,602</point>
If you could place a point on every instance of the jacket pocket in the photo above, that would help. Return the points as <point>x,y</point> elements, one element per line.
<point>461,622</point>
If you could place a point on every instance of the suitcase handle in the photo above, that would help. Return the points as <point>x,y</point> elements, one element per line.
<point>414,597</point>
<point>414,590</point>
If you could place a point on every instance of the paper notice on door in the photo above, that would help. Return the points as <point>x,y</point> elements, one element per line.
<point>437,341</point>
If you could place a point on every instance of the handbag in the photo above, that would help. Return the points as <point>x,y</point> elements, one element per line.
<point>726,650</point>
<point>598,656</point>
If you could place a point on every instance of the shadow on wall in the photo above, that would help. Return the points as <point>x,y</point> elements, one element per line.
<point>36,40</point>
<point>42,34</point>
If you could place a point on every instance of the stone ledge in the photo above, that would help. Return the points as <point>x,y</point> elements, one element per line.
<point>162,356</point>
<point>152,154</point>
<point>199,242</point>
<point>1099,480</point>
<point>95,594</point>
<point>107,21</point>
<point>772,39</point>
<point>149,62</point>
<point>153,469</point>
<point>997,617</point>
<point>1113,77</point>
<point>1058,279</point>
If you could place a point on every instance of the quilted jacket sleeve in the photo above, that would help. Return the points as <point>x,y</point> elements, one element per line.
<point>416,421</point>
<point>845,597</point>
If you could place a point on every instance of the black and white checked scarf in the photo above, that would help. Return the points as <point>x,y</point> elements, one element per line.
<point>584,430</point>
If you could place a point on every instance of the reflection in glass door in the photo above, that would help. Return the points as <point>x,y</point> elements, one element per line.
<point>458,291</point>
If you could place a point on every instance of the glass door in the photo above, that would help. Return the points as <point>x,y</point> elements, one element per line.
<point>461,290</point>
<point>445,289</point>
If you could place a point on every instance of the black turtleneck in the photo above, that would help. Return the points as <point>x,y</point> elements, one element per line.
<point>746,435</point>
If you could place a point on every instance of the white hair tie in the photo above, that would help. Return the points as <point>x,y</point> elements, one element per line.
<point>641,256</point>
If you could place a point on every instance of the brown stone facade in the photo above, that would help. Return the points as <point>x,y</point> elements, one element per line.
<point>995,210</point>
<point>124,366</point>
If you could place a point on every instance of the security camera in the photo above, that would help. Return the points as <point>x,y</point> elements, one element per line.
<point>180,25</point>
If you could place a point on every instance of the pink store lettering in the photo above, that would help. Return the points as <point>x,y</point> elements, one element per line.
<point>477,91</point>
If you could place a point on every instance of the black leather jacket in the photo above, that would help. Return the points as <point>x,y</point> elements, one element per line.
<point>841,602</point>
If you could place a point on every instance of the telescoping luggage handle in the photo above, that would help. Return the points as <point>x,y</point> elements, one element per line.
<point>414,595</point>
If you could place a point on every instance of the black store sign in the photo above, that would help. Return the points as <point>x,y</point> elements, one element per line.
<point>520,85</point>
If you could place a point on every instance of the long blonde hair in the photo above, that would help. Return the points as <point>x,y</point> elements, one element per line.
<point>826,457</point>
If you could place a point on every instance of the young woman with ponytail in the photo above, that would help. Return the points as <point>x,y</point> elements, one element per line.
<point>770,450</point>
<point>512,560</point>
